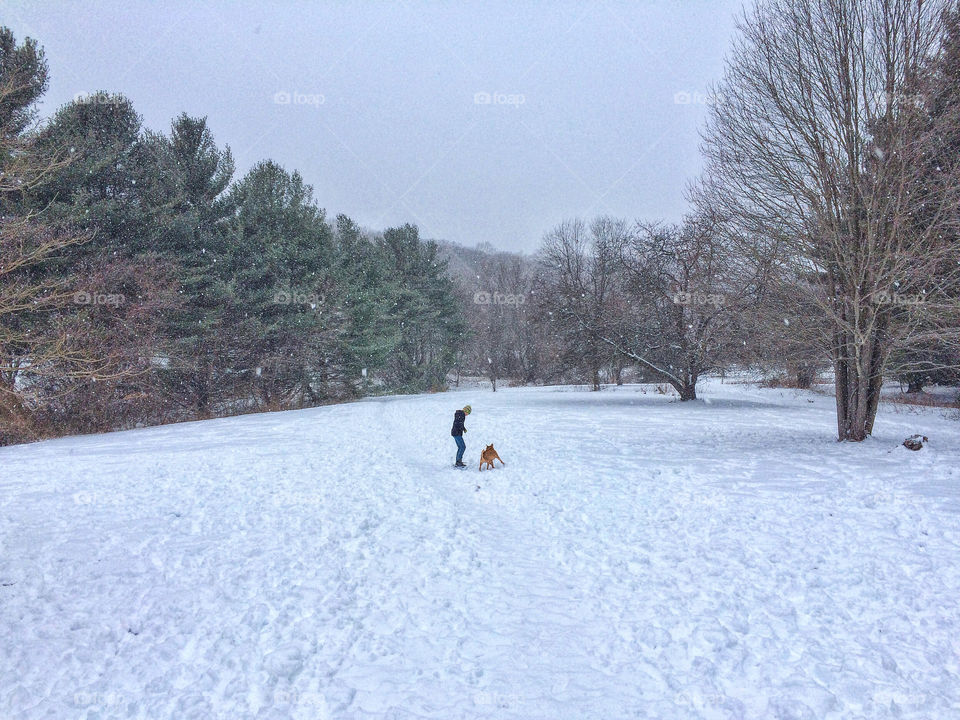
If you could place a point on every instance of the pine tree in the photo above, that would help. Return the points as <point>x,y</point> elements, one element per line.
<point>285,316</point>
<point>192,234</point>
<point>98,189</point>
<point>424,308</point>
<point>361,277</point>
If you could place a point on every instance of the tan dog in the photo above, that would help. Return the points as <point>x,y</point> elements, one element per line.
<point>488,456</point>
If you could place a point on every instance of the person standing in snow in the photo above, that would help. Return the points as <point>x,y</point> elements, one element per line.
<point>458,430</point>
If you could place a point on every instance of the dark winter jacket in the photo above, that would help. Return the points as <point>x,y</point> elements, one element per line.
<point>458,429</point>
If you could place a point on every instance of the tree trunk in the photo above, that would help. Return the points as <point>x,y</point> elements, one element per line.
<point>687,386</point>
<point>15,418</point>
<point>840,383</point>
<point>858,384</point>
<point>915,382</point>
<point>805,376</point>
<point>203,401</point>
<point>875,384</point>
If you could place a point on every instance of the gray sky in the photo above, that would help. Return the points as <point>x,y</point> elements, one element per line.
<point>479,121</point>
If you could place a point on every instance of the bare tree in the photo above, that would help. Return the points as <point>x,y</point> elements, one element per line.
<point>580,285</point>
<point>61,329</point>
<point>817,143</point>
<point>496,293</point>
<point>29,343</point>
<point>494,316</point>
<point>686,303</point>
<point>788,332</point>
<point>31,338</point>
<point>668,299</point>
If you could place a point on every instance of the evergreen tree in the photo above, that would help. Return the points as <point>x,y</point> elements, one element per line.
<point>424,309</point>
<point>24,78</point>
<point>193,235</point>
<point>361,275</point>
<point>282,309</point>
<point>232,295</point>
<point>932,354</point>
<point>97,189</point>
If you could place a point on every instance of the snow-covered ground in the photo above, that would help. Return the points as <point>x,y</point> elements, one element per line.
<point>636,558</point>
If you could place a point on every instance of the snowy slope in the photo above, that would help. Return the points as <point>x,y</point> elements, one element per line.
<point>637,557</point>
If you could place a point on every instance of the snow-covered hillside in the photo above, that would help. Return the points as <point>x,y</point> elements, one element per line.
<point>637,557</point>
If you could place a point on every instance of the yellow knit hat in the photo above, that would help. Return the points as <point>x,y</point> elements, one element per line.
<point>466,409</point>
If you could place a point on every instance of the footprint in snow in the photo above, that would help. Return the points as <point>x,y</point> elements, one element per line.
<point>286,661</point>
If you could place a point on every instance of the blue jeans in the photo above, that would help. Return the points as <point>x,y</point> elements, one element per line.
<point>461,447</point>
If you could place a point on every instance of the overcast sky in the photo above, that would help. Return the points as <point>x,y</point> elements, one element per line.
<point>479,121</point>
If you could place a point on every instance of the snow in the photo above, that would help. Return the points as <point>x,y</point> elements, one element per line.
<point>636,557</point>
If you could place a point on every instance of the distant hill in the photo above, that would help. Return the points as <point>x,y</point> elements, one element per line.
<point>467,264</point>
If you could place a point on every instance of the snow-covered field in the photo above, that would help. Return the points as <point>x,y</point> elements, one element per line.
<point>636,558</point>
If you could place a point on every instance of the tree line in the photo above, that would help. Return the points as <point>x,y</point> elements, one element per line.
<point>143,282</point>
<point>822,236</point>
